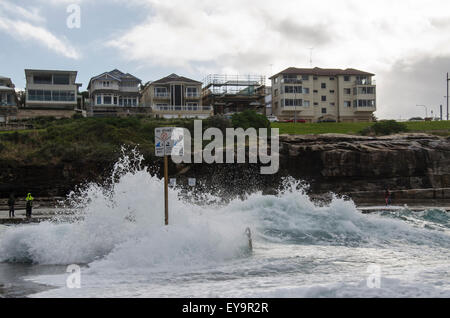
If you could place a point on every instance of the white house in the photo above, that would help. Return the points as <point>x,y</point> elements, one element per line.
<point>51,89</point>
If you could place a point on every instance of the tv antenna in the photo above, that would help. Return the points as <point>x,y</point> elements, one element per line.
<point>311,49</point>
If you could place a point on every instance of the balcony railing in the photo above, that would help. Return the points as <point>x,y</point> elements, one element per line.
<point>162,95</point>
<point>365,82</point>
<point>182,108</point>
<point>192,95</point>
<point>291,81</point>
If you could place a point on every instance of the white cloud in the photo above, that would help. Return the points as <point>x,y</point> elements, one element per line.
<point>245,36</point>
<point>27,24</point>
<point>230,34</point>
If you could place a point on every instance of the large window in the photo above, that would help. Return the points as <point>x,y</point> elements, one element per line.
<point>51,96</point>
<point>61,79</point>
<point>42,79</point>
<point>293,102</point>
<point>161,92</point>
<point>324,98</point>
<point>306,103</point>
<point>293,89</point>
<point>107,99</point>
<point>323,85</point>
<point>305,90</point>
<point>191,92</point>
<point>99,99</point>
<point>366,103</point>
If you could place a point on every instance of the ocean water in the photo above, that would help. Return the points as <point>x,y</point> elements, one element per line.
<point>300,249</point>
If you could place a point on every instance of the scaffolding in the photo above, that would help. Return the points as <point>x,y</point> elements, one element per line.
<point>234,93</point>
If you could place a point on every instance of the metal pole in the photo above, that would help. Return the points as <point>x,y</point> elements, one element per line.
<point>441,113</point>
<point>448,79</point>
<point>166,189</point>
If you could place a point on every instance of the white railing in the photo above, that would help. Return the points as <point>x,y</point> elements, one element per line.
<point>161,94</point>
<point>192,95</point>
<point>182,108</point>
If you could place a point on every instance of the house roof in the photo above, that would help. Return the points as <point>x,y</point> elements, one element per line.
<point>175,78</point>
<point>31,71</point>
<point>117,75</point>
<point>322,72</point>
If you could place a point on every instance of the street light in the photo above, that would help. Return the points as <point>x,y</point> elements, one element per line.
<point>426,110</point>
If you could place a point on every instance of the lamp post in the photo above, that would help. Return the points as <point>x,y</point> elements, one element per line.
<point>426,109</point>
<point>448,80</point>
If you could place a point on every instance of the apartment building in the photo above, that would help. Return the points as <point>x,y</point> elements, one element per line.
<point>175,96</point>
<point>114,94</point>
<point>51,89</point>
<point>316,94</point>
<point>8,100</point>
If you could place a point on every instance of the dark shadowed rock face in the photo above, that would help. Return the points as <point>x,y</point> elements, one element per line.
<point>336,163</point>
<point>343,163</point>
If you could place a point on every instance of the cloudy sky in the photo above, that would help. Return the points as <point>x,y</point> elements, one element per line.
<point>405,42</point>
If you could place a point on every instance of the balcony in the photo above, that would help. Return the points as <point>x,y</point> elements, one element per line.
<point>176,109</point>
<point>162,95</point>
<point>369,82</point>
<point>291,81</point>
<point>192,95</point>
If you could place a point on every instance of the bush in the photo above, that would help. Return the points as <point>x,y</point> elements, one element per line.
<point>250,119</point>
<point>217,121</point>
<point>385,127</point>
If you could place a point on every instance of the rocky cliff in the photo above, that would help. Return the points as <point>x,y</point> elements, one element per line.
<point>336,163</point>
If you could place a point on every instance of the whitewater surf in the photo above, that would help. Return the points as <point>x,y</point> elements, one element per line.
<point>300,249</point>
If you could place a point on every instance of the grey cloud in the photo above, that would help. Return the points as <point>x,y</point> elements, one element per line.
<point>316,34</point>
<point>406,85</point>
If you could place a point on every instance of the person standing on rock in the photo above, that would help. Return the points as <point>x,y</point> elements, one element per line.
<point>29,200</point>
<point>11,202</point>
<point>387,197</point>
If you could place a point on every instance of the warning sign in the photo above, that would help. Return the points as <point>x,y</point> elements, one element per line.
<point>164,142</point>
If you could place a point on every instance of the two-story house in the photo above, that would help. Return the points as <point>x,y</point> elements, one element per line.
<point>8,100</point>
<point>175,97</point>
<point>316,94</point>
<point>113,93</point>
<point>51,89</point>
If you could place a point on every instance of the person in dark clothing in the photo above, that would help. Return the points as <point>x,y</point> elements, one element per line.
<point>387,197</point>
<point>11,202</point>
<point>29,208</point>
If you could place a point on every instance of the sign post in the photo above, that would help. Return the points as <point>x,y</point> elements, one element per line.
<point>163,148</point>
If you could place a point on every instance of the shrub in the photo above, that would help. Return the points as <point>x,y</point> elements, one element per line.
<point>217,121</point>
<point>248,119</point>
<point>385,127</point>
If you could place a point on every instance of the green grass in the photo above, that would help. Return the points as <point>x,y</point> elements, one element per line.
<point>441,127</point>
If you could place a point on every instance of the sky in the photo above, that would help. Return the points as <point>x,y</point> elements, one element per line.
<point>404,42</point>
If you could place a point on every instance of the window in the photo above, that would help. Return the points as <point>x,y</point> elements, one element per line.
<point>347,103</point>
<point>191,92</point>
<point>323,85</point>
<point>161,92</point>
<point>106,84</point>
<point>305,77</point>
<point>306,103</point>
<point>47,95</point>
<point>324,98</point>
<point>99,99</point>
<point>120,101</point>
<point>333,104</point>
<point>292,89</point>
<point>61,79</point>
<point>366,90</point>
<point>347,78</point>
<point>331,78</point>
<point>42,79</point>
<point>305,90</point>
<point>275,93</point>
<point>292,102</point>
<point>331,91</point>
<point>316,104</point>
<point>134,101</point>
<point>347,91</point>
<point>315,91</point>
<point>115,100</point>
<point>315,78</point>
<point>324,110</point>
<point>107,100</point>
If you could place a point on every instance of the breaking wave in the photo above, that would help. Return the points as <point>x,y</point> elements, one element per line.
<point>120,225</point>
